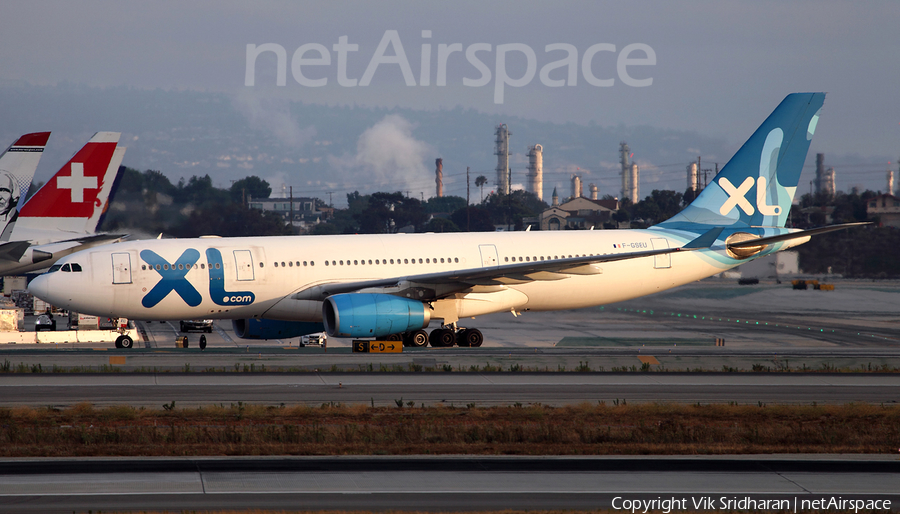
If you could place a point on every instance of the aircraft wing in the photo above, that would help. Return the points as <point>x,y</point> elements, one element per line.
<point>430,286</point>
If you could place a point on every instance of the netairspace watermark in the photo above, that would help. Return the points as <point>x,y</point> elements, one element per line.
<point>390,53</point>
<point>747,503</point>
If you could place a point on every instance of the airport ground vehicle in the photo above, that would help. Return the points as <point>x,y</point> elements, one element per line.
<point>44,322</point>
<point>203,325</point>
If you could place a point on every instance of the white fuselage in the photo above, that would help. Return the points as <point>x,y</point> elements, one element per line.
<point>259,275</point>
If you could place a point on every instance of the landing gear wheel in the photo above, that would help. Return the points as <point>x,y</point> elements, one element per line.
<point>470,337</point>
<point>124,342</point>
<point>416,339</point>
<point>393,337</point>
<point>202,342</point>
<point>461,338</point>
<point>442,338</point>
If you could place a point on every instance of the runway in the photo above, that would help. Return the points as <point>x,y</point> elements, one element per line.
<point>482,389</point>
<point>447,484</point>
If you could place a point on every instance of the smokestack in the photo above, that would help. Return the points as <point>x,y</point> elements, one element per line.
<point>536,171</point>
<point>630,174</point>
<point>820,172</point>
<point>594,192</point>
<point>828,183</point>
<point>692,173</point>
<point>890,182</point>
<point>576,187</point>
<point>439,177</point>
<point>501,150</point>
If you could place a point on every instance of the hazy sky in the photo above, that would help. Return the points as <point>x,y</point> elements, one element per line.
<point>720,66</point>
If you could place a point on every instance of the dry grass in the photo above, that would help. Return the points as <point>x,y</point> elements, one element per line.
<point>586,429</point>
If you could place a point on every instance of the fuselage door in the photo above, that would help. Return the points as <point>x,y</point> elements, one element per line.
<point>121,263</point>
<point>243,263</point>
<point>664,260</point>
<point>489,257</point>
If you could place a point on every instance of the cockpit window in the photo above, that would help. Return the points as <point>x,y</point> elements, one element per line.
<point>66,267</point>
<point>55,267</point>
<point>76,267</point>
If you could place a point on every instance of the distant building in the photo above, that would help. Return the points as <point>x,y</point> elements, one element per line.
<point>578,213</point>
<point>305,211</point>
<point>887,208</point>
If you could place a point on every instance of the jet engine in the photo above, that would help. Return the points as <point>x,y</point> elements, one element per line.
<point>372,315</point>
<point>273,329</point>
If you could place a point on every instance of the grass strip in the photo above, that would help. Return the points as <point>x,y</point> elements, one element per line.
<point>586,429</point>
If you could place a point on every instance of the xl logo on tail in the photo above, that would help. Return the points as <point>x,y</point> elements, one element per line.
<point>768,168</point>
<point>737,197</point>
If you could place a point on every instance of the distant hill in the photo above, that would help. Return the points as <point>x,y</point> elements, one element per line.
<point>317,148</point>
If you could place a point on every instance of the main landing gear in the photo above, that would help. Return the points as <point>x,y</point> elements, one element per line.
<point>444,337</point>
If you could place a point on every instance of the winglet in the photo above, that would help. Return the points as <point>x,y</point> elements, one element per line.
<point>705,240</point>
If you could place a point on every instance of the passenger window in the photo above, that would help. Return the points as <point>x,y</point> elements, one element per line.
<point>326,263</point>
<point>276,264</point>
<point>455,259</point>
<point>66,267</point>
<point>355,262</point>
<point>506,259</point>
<point>218,266</point>
<point>304,263</point>
<point>76,267</point>
<point>157,267</point>
<point>291,264</point>
<point>166,267</point>
<point>442,260</point>
<point>298,264</point>
<point>313,263</point>
<point>282,264</point>
<point>405,261</point>
<point>143,267</point>
<point>392,261</point>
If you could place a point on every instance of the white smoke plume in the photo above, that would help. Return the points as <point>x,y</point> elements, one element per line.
<point>388,158</point>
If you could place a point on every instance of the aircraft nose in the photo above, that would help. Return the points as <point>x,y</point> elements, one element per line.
<point>40,287</point>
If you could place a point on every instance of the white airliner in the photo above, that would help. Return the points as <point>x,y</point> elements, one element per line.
<point>393,286</point>
<point>62,217</point>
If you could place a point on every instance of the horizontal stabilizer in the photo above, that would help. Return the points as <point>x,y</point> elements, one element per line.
<point>751,243</point>
<point>13,251</point>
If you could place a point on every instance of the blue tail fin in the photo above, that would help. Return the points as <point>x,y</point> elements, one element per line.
<point>757,185</point>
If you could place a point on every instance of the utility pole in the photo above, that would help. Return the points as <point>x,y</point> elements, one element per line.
<point>468,228</point>
<point>291,213</point>
<point>423,196</point>
<point>509,198</point>
<point>330,202</point>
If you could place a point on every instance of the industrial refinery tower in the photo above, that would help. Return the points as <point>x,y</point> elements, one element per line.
<point>824,180</point>
<point>501,150</point>
<point>630,174</point>
<point>536,171</point>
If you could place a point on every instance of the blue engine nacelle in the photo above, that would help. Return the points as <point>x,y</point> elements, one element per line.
<point>372,315</point>
<point>273,329</point>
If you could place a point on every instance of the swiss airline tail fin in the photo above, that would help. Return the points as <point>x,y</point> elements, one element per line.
<point>76,198</point>
<point>17,166</point>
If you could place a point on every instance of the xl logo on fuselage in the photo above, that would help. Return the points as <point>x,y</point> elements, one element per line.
<point>217,292</point>
<point>173,278</point>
